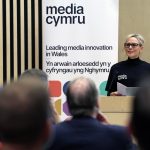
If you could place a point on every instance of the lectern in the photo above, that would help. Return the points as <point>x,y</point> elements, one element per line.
<point>116,108</point>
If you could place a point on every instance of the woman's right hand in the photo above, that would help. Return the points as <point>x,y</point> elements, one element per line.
<point>115,94</point>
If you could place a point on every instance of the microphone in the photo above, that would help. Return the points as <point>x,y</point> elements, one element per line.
<point>112,82</point>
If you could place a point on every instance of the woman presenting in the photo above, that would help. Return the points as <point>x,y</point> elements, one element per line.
<point>130,71</point>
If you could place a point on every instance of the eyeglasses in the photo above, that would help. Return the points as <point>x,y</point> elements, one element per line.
<point>127,45</point>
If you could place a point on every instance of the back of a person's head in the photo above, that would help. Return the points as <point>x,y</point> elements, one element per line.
<point>140,119</point>
<point>82,96</point>
<point>35,73</point>
<point>24,111</point>
<point>41,76</point>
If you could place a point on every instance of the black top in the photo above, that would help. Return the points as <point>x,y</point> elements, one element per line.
<point>128,73</point>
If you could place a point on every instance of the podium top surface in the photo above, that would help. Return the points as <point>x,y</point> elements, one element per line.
<point>115,104</point>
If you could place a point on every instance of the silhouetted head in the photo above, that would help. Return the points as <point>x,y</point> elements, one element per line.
<point>140,119</point>
<point>24,112</point>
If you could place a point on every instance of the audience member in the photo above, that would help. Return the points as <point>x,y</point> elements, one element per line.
<point>140,118</point>
<point>84,131</point>
<point>35,73</point>
<point>42,76</point>
<point>24,112</point>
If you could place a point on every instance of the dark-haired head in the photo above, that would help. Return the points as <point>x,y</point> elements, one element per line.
<point>24,112</point>
<point>140,119</point>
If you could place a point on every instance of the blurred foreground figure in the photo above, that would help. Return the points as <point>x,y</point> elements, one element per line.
<point>84,131</point>
<point>35,73</point>
<point>140,119</point>
<point>24,116</point>
<point>42,76</point>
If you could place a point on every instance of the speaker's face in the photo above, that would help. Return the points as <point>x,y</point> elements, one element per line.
<point>133,48</point>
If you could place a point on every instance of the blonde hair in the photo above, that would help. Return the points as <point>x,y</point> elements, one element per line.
<point>138,37</point>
